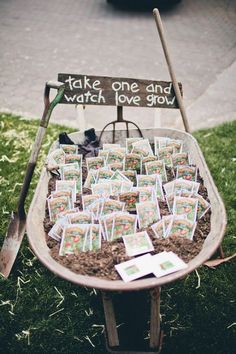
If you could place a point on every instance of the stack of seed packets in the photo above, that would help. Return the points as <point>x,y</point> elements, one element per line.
<point>118,224</point>
<point>161,264</point>
<point>78,238</point>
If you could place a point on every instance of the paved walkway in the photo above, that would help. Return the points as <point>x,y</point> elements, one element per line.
<point>39,39</point>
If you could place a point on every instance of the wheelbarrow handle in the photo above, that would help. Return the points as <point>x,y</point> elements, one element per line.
<point>48,108</point>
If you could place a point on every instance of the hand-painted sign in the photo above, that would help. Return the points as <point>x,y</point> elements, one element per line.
<point>113,91</point>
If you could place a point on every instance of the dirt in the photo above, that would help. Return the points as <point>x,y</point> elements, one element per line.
<point>101,263</point>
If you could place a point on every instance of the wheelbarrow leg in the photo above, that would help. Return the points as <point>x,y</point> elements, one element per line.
<point>110,319</point>
<point>155,318</point>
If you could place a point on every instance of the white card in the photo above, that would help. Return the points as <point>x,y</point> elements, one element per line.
<point>135,268</point>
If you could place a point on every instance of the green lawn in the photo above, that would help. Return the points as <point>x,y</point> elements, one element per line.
<point>40,313</point>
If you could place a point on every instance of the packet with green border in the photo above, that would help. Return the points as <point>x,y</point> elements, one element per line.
<point>186,206</point>
<point>73,239</point>
<point>95,163</point>
<point>137,243</point>
<point>148,213</point>
<point>133,162</point>
<point>159,229</point>
<point>129,143</point>
<point>56,206</point>
<point>186,172</point>
<point>71,158</point>
<point>69,149</point>
<point>165,154</point>
<point>156,167</point>
<point>67,185</point>
<point>143,145</point>
<point>124,224</point>
<point>181,227</point>
<point>95,237</point>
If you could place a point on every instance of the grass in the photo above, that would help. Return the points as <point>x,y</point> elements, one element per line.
<point>40,313</point>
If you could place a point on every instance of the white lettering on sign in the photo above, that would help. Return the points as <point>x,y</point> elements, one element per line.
<point>83,84</point>
<point>154,100</point>
<point>86,98</point>
<point>122,100</point>
<point>125,86</point>
<point>155,88</point>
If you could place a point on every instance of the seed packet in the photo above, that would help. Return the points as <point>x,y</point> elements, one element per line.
<point>159,229</point>
<point>159,189</point>
<point>102,189</point>
<point>67,212</point>
<point>71,158</point>
<point>124,225</point>
<point>186,206</point>
<point>96,208</point>
<point>144,145</point>
<point>165,154</point>
<point>133,162</point>
<point>186,172</point>
<point>177,145</point>
<point>149,159</point>
<point>145,194</point>
<point>146,181</point>
<point>67,185</point>
<point>181,227</point>
<point>95,163</point>
<point>71,174</point>
<point>110,147</point>
<point>57,229</point>
<point>95,237</point>
<point>170,201</point>
<point>130,199</point>
<point>56,206</point>
<point>165,263</point>
<point>108,221</point>
<point>203,206</point>
<point>134,268</point>
<point>103,153</point>
<point>118,176</point>
<point>126,186</point>
<point>69,149</point>
<point>180,159</point>
<point>138,151</point>
<point>56,157</point>
<point>183,186</point>
<point>169,187</point>
<point>104,173</point>
<point>110,206</point>
<point>73,239</point>
<point>156,167</point>
<point>167,220</point>
<point>148,213</point>
<point>91,178</point>
<point>137,243</point>
<point>116,187</point>
<point>81,217</point>
<point>73,165</point>
<point>160,142</point>
<point>131,175</point>
<point>57,194</point>
<point>118,166</point>
<point>129,143</point>
<point>87,200</point>
<point>114,157</point>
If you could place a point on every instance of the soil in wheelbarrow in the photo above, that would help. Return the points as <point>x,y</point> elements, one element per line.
<point>102,262</point>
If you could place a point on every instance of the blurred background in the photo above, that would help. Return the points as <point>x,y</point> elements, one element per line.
<point>39,39</point>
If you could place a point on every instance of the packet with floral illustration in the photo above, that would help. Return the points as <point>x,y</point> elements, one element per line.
<point>167,219</point>
<point>129,143</point>
<point>95,237</point>
<point>71,158</point>
<point>186,172</point>
<point>138,151</point>
<point>56,158</point>
<point>145,194</point>
<point>115,156</point>
<point>102,189</point>
<point>116,187</point>
<point>117,166</point>
<point>89,199</point>
<point>181,227</point>
<point>103,153</point>
<point>73,239</point>
<point>156,167</point>
<point>186,206</point>
<point>160,142</point>
<point>72,174</point>
<point>110,147</point>
<point>81,217</point>
<point>143,145</point>
<point>165,154</point>
<point>131,175</point>
<point>91,178</point>
<point>137,243</point>
<point>130,199</point>
<point>124,224</point>
<point>148,213</point>
<point>180,159</point>
<point>108,221</point>
<point>159,229</point>
<point>57,229</point>
<point>176,144</point>
<point>69,149</point>
<point>57,194</point>
<point>104,173</point>
<point>95,163</point>
<point>67,185</point>
<point>56,206</point>
<point>111,206</point>
<point>133,162</point>
<point>203,206</point>
<point>118,176</point>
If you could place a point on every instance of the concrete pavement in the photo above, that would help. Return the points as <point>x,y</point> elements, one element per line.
<point>39,39</point>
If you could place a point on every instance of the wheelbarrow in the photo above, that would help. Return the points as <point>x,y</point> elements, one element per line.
<point>150,286</point>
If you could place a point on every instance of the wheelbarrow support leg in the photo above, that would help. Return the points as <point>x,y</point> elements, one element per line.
<point>155,318</point>
<point>110,319</point>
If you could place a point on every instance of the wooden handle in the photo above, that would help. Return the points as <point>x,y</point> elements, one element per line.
<point>160,29</point>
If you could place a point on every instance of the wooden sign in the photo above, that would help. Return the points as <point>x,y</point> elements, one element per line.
<point>113,91</point>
